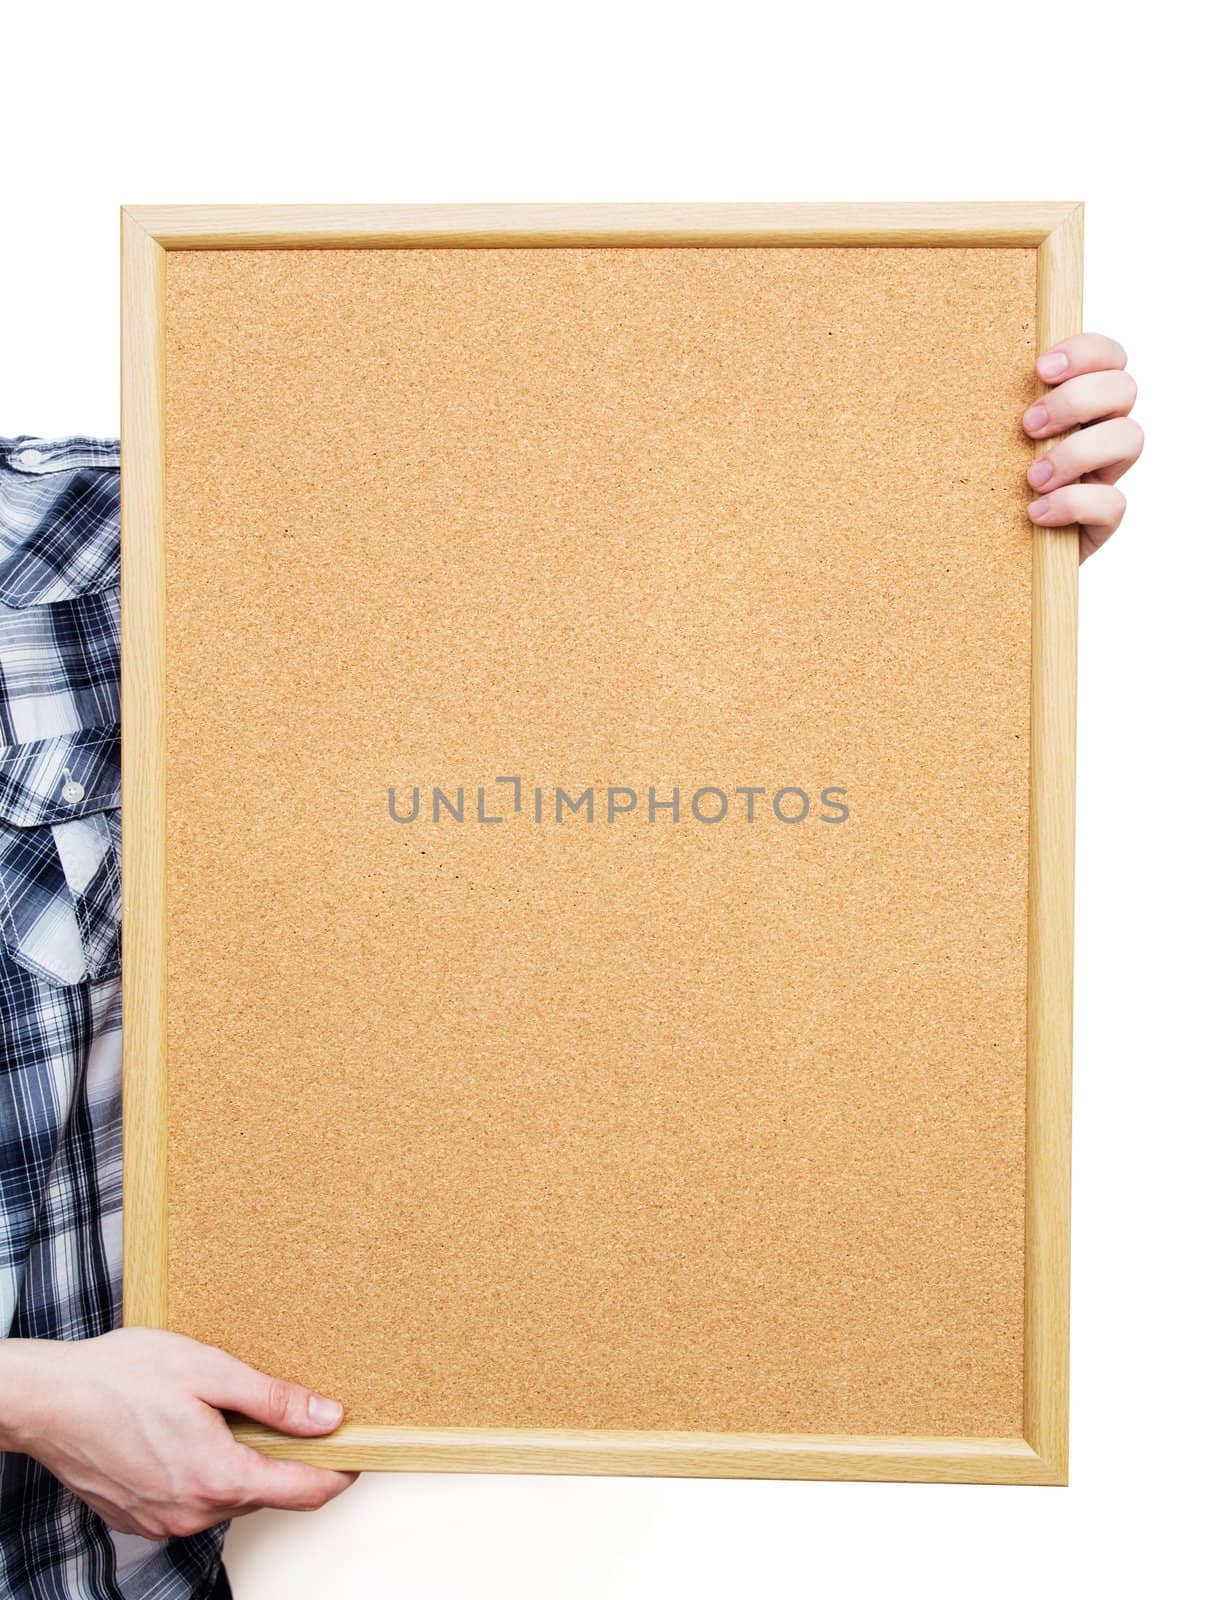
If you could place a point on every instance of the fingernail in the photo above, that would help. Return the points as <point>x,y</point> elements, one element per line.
<point>1035,417</point>
<point>1040,474</point>
<point>324,1413</point>
<point>1053,365</point>
<point>1037,508</point>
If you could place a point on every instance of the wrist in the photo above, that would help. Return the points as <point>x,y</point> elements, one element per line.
<point>28,1383</point>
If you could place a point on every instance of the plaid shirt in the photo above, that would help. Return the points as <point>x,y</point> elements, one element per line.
<point>60,990</point>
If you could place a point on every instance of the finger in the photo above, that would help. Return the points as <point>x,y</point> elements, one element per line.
<point>290,1485</point>
<point>1084,352</point>
<point>1083,399</point>
<point>1107,449</point>
<point>288,1407</point>
<point>1098,507</point>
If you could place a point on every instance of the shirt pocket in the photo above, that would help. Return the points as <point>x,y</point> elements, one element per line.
<point>60,855</point>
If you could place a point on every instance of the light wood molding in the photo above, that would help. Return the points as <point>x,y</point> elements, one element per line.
<point>144,774</point>
<point>289,227</point>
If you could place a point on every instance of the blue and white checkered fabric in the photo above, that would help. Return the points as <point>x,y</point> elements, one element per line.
<point>60,990</point>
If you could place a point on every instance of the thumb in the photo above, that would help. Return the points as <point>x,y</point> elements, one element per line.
<point>289,1407</point>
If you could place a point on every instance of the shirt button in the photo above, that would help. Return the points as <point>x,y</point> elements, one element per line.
<point>72,792</point>
<point>30,458</point>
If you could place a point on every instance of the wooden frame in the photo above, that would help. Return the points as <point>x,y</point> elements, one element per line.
<point>1055,231</point>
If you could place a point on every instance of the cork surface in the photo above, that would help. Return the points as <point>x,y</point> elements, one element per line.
<point>627,1123</point>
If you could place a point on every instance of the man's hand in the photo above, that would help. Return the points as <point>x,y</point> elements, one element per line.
<point>1076,479</point>
<point>132,1423</point>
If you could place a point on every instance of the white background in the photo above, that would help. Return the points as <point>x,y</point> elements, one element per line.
<point>226,103</point>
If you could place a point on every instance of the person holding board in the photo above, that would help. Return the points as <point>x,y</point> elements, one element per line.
<point>119,1473</point>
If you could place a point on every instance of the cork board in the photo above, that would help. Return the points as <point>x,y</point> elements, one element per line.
<point>597,833</point>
